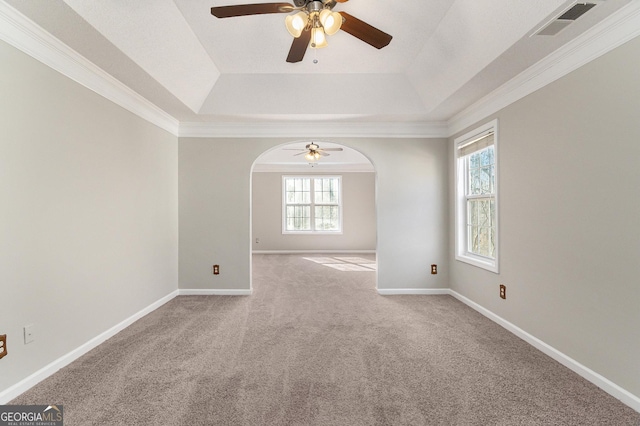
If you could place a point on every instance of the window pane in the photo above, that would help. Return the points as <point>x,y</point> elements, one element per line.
<point>492,208</point>
<point>485,180</point>
<point>297,191</point>
<point>318,191</point>
<point>484,242</point>
<point>485,157</point>
<point>474,160</point>
<point>472,210</point>
<point>298,218</point>
<point>333,191</point>
<point>474,182</point>
<point>319,212</point>
<point>327,218</point>
<point>481,226</point>
<point>481,175</point>
<point>493,244</point>
<point>492,182</point>
<point>326,191</point>
<point>484,215</point>
<point>472,239</point>
<point>490,154</point>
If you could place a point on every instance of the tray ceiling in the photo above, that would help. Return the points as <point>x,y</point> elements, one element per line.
<point>444,56</point>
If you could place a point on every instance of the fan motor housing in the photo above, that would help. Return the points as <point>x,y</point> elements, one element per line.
<point>300,3</point>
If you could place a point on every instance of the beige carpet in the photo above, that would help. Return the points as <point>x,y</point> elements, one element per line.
<point>315,345</point>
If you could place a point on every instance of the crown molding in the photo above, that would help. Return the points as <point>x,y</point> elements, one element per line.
<point>615,30</point>
<point>25,35</point>
<point>315,129</point>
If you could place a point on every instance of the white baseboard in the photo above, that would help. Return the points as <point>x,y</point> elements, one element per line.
<point>415,291</point>
<point>313,251</point>
<point>603,383</point>
<point>213,292</point>
<point>27,383</point>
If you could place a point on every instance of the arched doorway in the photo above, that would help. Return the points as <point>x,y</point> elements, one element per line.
<point>294,208</point>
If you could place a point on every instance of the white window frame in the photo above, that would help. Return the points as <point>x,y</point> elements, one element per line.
<point>461,232</point>
<point>312,204</point>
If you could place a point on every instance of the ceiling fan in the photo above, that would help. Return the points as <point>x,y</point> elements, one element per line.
<point>312,151</point>
<point>312,21</point>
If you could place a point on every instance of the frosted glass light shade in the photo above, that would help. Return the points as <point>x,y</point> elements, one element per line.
<point>295,23</point>
<point>331,21</point>
<point>318,39</point>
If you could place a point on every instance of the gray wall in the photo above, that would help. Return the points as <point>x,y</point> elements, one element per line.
<point>88,214</point>
<point>358,211</point>
<point>569,217</point>
<point>411,217</point>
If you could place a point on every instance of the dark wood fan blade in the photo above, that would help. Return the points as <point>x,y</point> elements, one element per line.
<point>299,47</point>
<point>250,9</point>
<point>364,31</point>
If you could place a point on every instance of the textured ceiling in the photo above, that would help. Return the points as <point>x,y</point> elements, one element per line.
<point>445,55</point>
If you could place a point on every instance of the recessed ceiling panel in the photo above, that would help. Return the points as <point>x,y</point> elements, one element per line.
<point>260,43</point>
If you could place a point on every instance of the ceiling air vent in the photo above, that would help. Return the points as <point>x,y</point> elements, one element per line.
<point>562,21</point>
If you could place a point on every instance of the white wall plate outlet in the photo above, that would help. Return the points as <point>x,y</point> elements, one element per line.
<point>28,334</point>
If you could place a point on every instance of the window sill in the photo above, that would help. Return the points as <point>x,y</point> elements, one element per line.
<point>490,265</point>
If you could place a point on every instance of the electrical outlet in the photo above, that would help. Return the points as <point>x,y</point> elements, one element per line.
<point>434,269</point>
<point>216,269</point>
<point>3,346</point>
<point>503,291</point>
<point>28,334</point>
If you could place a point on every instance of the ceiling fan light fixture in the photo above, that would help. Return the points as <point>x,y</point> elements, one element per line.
<point>318,39</point>
<point>295,23</point>
<point>309,22</point>
<point>331,21</point>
